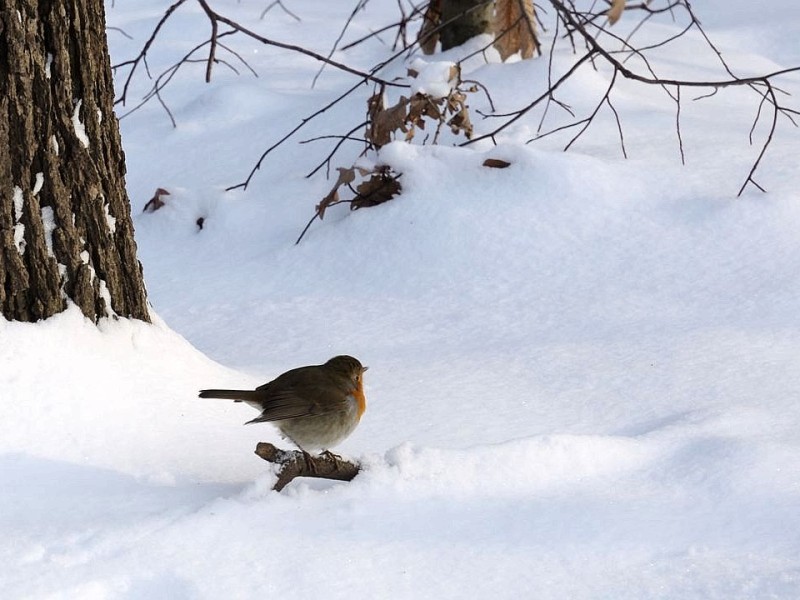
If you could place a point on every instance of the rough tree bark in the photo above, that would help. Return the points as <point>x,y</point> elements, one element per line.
<point>463,20</point>
<point>65,225</point>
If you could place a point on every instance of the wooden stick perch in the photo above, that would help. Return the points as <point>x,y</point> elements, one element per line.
<point>295,463</point>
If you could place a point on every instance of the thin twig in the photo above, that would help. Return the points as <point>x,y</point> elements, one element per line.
<point>342,140</point>
<point>143,53</point>
<point>594,112</point>
<point>517,115</point>
<point>212,50</point>
<point>294,48</point>
<point>121,31</point>
<point>678,123</point>
<point>239,56</point>
<point>243,185</point>
<point>286,10</point>
<point>359,5</point>
<point>767,142</point>
<point>619,127</point>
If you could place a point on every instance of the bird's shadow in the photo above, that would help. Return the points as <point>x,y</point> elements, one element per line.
<point>41,494</point>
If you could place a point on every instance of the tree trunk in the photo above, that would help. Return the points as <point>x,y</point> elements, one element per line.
<point>463,20</point>
<point>65,226</point>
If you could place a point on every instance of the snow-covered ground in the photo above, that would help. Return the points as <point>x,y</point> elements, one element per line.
<point>584,371</point>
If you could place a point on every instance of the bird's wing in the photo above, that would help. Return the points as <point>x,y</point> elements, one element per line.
<point>278,407</point>
<point>289,403</point>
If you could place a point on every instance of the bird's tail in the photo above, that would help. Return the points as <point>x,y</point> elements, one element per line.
<point>237,395</point>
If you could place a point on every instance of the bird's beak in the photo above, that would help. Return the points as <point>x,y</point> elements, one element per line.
<point>364,369</point>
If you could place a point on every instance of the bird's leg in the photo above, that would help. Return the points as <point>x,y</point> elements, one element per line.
<point>307,458</point>
<point>309,462</point>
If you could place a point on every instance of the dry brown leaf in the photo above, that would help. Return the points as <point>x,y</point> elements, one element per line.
<point>455,101</point>
<point>331,198</point>
<point>382,186</point>
<point>156,202</point>
<point>410,114</point>
<point>420,106</point>
<point>385,121</point>
<point>346,177</point>
<point>515,28</point>
<point>454,74</point>
<point>496,163</point>
<point>461,122</point>
<point>428,35</point>
<point>615,12</point>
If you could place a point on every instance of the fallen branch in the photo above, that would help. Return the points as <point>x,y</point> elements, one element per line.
<point>295,463</point>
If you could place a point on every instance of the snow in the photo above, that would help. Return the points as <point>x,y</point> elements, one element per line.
<point>435,79</point>
<point>78,126</point>
<point>583,370</point>
<point>49,225</point>
<point>38,184</point>
<point>105,294</point>
<point>111,221</point>
<point>19,202</point>
<point>19,228</point>
<point>19,237</point>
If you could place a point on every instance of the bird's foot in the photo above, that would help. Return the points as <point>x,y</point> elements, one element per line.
<point>310,465</point>
<point>333,457</point>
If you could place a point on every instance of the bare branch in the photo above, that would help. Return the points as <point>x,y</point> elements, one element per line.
<point>286,10</point>
<point>342,139</point>
<point>591,117</point>
<point>143,53</point>
<point>767,142</point>
<point>592,42</point>
<point>584,28</point>
<point>212,50</point>
<point>678,123</point>
<point>619,127</point>
<point>517,115</point>
<point>120,31</point>
<point>243,185</point>
<point>239,56</point>
<point>399,25</point>
<point>215,16</point>
<point>359,5</point>
<point>164,78</point>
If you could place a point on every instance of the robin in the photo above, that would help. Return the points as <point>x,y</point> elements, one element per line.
<point>316,407</point>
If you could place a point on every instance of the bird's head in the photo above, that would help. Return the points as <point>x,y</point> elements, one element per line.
<point>347,366</point>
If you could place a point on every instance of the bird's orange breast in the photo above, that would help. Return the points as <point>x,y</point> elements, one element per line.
<point>358,394</point>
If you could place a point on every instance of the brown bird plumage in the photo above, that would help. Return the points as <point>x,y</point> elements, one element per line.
<point>316,406</point>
